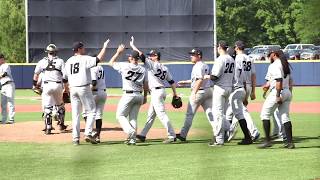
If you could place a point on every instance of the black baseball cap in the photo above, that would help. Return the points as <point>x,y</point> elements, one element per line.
<point>1,56</point>
<point>154,52</point>
<point>77,45</point>
<point>223,44</point>
<point>134,54</point>
<point>239,44</point>
<point>196,51</point>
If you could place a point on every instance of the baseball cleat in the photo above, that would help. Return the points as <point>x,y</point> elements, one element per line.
<point>256,137</point>
<point>289,145</point>
<point>141,138</point>
<point>131,142</point>
<point>47,132</point>
<point>169,140</point>
<point>245,142</point>
<point>97,139</point>
<point>76,143</point>
<point>232,134</point>
<point>10,122</point>
<point>264,145</point>
<point>90,139</point>
<point>183,139</point>
<point>62,127</point>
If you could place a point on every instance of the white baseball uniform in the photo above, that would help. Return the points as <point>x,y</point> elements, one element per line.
<point>224,69</point>
<point>133,78</point>
<point>79,78</point>
<point>203,97</point>
<point>53,73</point>
<point>275,71</point>
<point>7,93</point>
<point>99,92</point>
<point>157,75</point>
<point>248,70</point>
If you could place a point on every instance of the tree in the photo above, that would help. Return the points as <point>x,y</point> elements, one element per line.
<point>307,25</point>
<point>12,34</point>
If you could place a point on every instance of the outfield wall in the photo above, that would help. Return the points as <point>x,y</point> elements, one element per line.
<point>304,73</point>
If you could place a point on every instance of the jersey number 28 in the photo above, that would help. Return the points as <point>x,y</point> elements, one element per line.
<point>161,74</point>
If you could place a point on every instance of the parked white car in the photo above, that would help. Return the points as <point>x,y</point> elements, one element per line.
<point>298,46</point>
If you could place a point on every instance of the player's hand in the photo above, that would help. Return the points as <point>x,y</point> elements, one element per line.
<point>120,48</point>
<point>105,44</point>
<point>245,102</point>
<point>279,100</point>
<point>132,41</point>
<point>264,95</point>
<point>252,96</point>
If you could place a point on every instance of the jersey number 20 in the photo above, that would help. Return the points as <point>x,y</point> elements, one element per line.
<point>74,68</point>
<point>229,68</point>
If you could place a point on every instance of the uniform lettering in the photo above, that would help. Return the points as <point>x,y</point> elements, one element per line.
<point>229,68</point>
<point>161,74</point>
<point>74,68</point>
<point>246,66</point>
<point>131,74</point>
<point>101,74</point>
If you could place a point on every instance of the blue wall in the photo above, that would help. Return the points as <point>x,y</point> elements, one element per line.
<point>304,73</point>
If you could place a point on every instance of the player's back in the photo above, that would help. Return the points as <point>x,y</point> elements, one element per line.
<point>133,75</point>
<point>198,71</point>
<point>157,75</point>
<point>239,73</point>
<point>53,69</point>
<point>78,70</point>
<point>224,69</point>
<point>248,67</point>
<point>98,74</point>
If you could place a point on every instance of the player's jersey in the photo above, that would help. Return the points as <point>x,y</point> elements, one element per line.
<point>133,76</point>
<point>198,71</point>
<point>248,66</point>
<point>239,73</point>
<point>5,68</point>
<point>157,74</point>
<point>223,68</point>
<point>52,69</point>
<point>78,70</point>
<point>97,74</point>
<point>275,71</point>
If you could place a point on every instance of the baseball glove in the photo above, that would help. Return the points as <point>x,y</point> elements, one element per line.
<point>66,97</point>
<point>176,102</point>
<point>37,90</point>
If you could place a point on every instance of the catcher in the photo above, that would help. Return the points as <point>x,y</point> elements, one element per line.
<point>53,76</point>
<point>157,75</point>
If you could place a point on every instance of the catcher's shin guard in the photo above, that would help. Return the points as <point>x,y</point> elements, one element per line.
<point>48,119</point>
<point>61,116</point>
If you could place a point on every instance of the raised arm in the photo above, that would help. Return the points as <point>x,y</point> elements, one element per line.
<point>134,46</point>
<point>117,54</point>
<point>102,53</point>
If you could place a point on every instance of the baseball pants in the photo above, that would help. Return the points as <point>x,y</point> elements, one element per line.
<point>203,98</point>
<point>127,111</point>
<point>7,102</point>
<point>100,98</point>
<point>82,97</point>
<point>220,97</point>
<point>157,108</point>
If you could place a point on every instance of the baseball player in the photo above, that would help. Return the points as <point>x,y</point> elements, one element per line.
<point>7,91</point>
<point>53,75</point>
<point>157,75</point>
<point>280,85</point>
<point>134,81</point>
<point>201,94</point>
<point>79,79</point>
<point>250,79</point>
<point>222,75</point>
<point>99,95</point>
<point>238,97</point>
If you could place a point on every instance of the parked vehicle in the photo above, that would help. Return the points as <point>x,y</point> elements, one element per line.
<point>310,54</point>
<point>293,54</point>
<point>259,54</point>
<point>298,46</point>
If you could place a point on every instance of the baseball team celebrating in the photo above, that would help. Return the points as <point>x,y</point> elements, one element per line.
<point>223,93</point>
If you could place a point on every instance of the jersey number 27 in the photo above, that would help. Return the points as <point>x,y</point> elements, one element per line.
<point>131,74</point>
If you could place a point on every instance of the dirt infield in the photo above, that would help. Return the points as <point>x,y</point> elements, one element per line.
<point>32,132</point>
<point>301,107</point>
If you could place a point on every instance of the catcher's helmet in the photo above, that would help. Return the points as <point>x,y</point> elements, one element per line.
<point>51,48</point>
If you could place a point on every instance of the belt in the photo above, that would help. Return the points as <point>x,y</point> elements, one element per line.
<point>131,92</point>
<point>58,82</point>
<point>235,88</point>
<point>99,90</point>
<point>160,87</point>
<point>6,83</point>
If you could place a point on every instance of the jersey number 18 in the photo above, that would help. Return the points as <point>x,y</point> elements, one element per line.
<point>74,68</point>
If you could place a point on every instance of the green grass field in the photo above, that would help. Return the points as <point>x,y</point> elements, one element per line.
<point>154,160</point>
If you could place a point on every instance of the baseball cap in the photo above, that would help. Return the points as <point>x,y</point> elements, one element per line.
<point>153,52</point>
<point>196,51</point>
<point>77,45</point>
<point>51,48</point>
<point>239,44</point>
<point>223,44</point>
<point>1,56</point>
<point>134,54</point>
